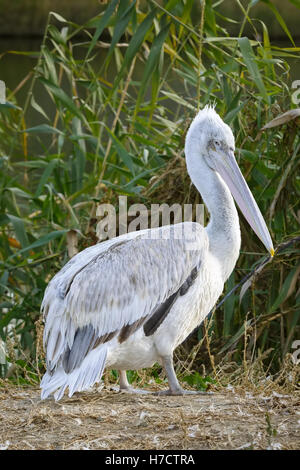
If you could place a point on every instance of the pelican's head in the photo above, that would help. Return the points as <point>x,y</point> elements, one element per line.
<point>211,142</point>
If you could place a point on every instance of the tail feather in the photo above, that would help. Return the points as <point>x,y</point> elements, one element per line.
<point>59,334</point>
<point>87,374</point>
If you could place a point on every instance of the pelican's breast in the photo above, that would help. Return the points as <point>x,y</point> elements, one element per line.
<point>191,309</point>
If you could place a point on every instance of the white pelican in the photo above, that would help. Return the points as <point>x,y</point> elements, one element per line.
<point>128,302</point>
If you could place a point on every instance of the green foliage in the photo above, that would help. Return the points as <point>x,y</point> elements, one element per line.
<point>272,432</point>
<point>197,381</point>
<point>115,114</point>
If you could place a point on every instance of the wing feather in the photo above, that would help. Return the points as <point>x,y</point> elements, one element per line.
<point>115,286</point>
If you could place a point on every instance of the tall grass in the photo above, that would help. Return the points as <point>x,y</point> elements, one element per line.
<point>114,124</point>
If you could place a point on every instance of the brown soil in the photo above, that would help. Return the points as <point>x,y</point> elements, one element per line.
<point>106,419</point>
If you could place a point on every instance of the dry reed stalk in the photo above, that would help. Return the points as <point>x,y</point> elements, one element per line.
<point>200,54</point>
<point>211,356</point>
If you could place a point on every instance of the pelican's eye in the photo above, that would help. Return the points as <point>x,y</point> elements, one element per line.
<point>214,144</point>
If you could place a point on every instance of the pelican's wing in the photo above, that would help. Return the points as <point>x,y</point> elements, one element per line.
<point>109,290</point>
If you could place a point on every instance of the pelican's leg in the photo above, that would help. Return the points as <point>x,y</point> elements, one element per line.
<point>174,386</point>
<point>124,385</point>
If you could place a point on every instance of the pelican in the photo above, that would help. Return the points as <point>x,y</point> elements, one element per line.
<point>128,302</point>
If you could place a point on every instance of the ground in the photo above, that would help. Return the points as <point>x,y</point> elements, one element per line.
<point>106,419</point>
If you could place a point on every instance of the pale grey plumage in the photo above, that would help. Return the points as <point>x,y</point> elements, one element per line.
<point>118,283</point>
<point>128,302</point>
<point>160,312</point>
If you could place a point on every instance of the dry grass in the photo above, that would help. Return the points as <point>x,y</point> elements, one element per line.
<point>106,419</point>
<point>246,408</point>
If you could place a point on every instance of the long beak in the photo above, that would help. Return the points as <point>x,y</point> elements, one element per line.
<point>227,167</point>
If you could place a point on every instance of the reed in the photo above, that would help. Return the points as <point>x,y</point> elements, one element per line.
<point>121,91</point>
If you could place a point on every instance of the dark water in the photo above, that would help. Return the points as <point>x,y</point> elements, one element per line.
<point>13,67</point>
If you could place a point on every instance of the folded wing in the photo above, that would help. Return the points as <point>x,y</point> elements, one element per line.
<point>111,289</point>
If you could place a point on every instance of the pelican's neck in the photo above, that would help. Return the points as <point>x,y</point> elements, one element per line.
<point>223,228</point>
